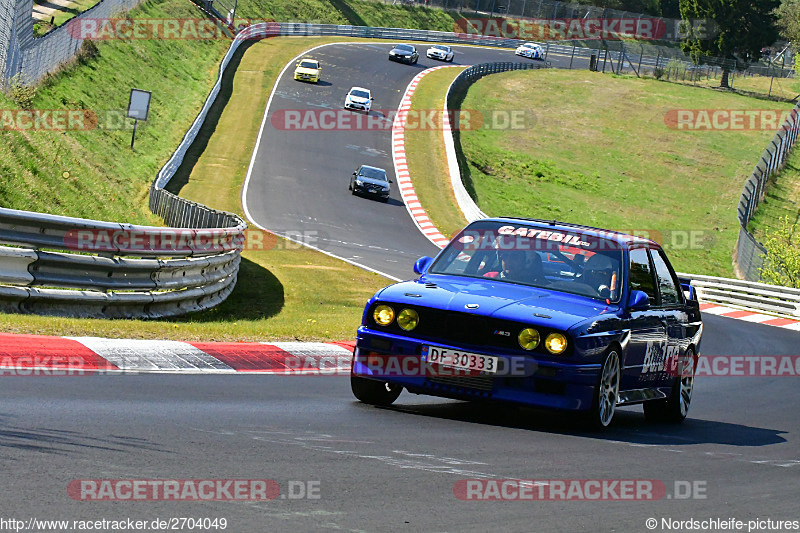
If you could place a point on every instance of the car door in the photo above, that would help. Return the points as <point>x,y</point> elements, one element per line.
<point>648,328</point>
<point>673,311</point>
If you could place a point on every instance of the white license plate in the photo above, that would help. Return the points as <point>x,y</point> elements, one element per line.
<point>458,359</point>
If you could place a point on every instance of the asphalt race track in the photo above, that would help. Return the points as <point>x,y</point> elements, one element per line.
<point>298,184</point>
<point>387,469</point>
<point>395,469</point>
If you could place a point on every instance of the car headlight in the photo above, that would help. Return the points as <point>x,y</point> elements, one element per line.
<point>528,338</point>
<point>359,183</point>
<point>555,343</point>
<point>383,315</point>
<point>408,319</point>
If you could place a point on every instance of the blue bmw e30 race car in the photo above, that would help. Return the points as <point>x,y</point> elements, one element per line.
<point>540,313</point>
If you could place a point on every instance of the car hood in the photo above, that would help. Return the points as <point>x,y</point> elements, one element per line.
<point>357,99</point>
<point>303,70</point>
<point>497,299</point>
<point>372,181</point>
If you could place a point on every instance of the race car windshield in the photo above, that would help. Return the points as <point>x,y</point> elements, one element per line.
<point>404,48</point>
<point>359,94</point>
<point>442,48</point>
<point>566,260</point>
<point>308,64</point>
<point>373,173</point>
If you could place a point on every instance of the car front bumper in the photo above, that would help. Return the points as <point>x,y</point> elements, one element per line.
<point>539,383</point>
<point>402,59</point>
<point>371,191</point>
<point>306,77</point>
<point>356,106</point>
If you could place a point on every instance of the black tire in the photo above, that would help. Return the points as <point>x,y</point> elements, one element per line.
<point>374,392</point>
<point>674,409</point>
<point>606,392</point>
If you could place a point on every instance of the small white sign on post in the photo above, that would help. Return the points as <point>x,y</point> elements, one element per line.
<point>138,108</point>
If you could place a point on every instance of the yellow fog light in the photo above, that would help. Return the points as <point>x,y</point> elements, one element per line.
<point>528,338</point>
<point>408,319</point>
<point>383,315</point>
<point>555,343</point>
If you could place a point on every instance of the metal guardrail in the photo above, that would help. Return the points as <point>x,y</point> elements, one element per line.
<point>771,299</point>
<point>453,100</point>
<point>749,253</point>
<point>55,265</point>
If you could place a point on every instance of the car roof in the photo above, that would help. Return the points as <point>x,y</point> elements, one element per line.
<point>616,236</point>
<point>404,44</point>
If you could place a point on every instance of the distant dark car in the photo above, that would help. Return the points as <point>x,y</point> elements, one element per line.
<point>404,53</point>
<point>538,313</point>
<point>371,181</point>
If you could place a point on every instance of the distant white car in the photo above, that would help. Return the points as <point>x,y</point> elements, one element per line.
<point>530,50</point>
<point>358,99</point>
<point>441,52</point>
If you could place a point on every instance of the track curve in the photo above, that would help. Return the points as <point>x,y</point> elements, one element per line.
<point>387,469</point>
<point>297,184</point>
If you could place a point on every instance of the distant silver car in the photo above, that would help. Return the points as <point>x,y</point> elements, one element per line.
<point>440,52</point>
<point>370,181</point>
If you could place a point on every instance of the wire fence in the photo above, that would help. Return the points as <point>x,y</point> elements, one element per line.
<point>749,253</point>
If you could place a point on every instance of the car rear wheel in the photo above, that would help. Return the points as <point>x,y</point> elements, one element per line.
<point>606,393</point>
<point>674,409</point>
<point>374,392</point>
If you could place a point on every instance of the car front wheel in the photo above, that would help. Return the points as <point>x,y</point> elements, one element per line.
<point>606,393</point>
<point>374,392</point>
<point>674,409</point>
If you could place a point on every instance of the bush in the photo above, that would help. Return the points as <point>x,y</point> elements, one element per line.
<point>782,260</point>
<point>658,73</point>
<point>88,51</point>
<point>21,93</point>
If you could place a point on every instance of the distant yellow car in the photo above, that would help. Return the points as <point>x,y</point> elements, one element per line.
<point>307,70</point>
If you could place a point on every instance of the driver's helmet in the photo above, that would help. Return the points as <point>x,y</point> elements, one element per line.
<point>599,273</point>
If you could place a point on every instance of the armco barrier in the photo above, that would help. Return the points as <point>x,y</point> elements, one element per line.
<point>748,295</point>
<point>749,253</point>
<point>453,100</point>
<point>135,273</point>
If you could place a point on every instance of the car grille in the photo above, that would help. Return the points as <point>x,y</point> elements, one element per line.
<point>481,383</point>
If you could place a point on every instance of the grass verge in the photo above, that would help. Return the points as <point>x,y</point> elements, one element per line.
<point>595,149</point>
<point>427,163</point>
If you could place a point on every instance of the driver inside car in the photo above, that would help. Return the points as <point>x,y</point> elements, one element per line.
<point>515,267</point>
<point>599,273</point>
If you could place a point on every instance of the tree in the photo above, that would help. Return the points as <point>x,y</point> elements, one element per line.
<point>782,260</point>
<point>738,29</point>
<point>788,14</point>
